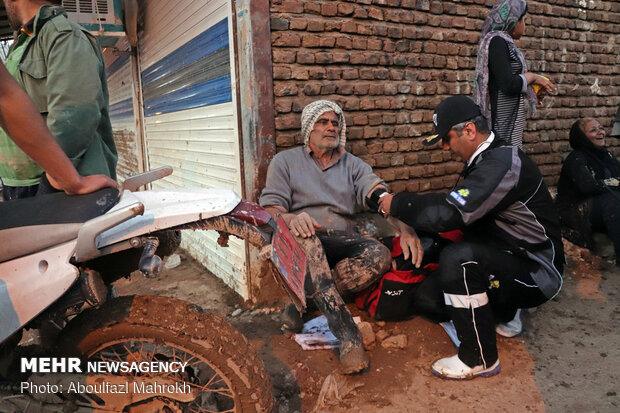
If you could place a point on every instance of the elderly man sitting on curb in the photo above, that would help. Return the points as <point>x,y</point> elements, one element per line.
<point>317,189</point>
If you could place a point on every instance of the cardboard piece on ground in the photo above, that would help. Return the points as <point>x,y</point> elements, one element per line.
<point>316,335</point>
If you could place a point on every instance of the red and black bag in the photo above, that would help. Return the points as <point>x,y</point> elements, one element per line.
<point>391,298</point>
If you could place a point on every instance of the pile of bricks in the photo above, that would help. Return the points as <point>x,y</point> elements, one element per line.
<point>389,62</point>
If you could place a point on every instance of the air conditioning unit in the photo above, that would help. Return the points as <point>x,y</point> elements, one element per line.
<point>103,18</point>
<point>90,11</point>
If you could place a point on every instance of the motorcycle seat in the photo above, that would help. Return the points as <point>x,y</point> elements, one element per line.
<point>33,224</point>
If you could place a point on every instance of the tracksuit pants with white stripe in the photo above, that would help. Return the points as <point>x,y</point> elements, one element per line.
<point>483,285</point>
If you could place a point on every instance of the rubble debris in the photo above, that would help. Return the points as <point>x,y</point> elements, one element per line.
<point>368,335</point>
<point>397,341</point>
<point>381,335</point>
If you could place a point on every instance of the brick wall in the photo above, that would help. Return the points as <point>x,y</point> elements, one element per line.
<point>389,62</point>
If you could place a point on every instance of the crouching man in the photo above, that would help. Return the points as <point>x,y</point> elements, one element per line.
<point>317,188</point>
<point>512,255</point>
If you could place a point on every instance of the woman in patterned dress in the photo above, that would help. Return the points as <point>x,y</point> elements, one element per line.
<point>503,87</point>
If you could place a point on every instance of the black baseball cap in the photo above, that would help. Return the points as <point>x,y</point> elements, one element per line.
<point>450,112</point>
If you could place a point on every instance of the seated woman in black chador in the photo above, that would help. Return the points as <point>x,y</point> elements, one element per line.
<point>588,191</point>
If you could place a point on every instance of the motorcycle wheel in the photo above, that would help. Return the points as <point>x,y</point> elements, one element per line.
<point>223,368</point>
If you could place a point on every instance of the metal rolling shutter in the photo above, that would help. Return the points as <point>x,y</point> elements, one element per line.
<point>190,121</point>
<point>122,116</point>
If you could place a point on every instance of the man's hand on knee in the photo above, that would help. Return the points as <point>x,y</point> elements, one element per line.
<point>303,225</point>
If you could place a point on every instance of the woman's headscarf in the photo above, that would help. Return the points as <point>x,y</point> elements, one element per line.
<point>501,21</point>
<point>602,162</point>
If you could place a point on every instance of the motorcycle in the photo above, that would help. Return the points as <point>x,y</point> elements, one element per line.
<point>59,259</point>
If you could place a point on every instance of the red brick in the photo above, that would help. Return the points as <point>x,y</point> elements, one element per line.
<point>291,6</point>
<point>281,72</point>
<point>312,89</point>
<point>312,7</point>
<point>334,73</point>
<point>360,13</point>
<point>288,121</point>
<point>367,29</point>
<point>350,74</point>
<point>374,44</point>
<point>327,42</point>
<point>375,13</point>
<point>285,139</point>
<point>349,27</point>
<point>286,39</point>
<point>390,146</point>
<point>316,73</point>
<point>316,26</point>
<point>285,90</point>
<point>386,174</point>
<point>279,23</point>
<point>359,148</point>
<point>386,131</point>
<point>333,25</point>
<point>340,57</point>
<point>283,106</point>
<point>300,73</point>
<point>355,133</point>
<point>382,160</point>
<point>323,58</point>
<point>283,56</point>
<point>344,42</point>
<point>329,89</point>
<point>305,58</point>
<point>375,119</point>
<point>299,24</point>
<point>345,89</point>
<point>329,9</point>
<point>389,118</point>
<point>310,40</point>
<point>351,103</point>
<point>401,173</point>
<point>373,148</point>
<point>371,132</point>
<point>361,88</point>
<point>367,104</point>
<point>366,73</point>
<point>360,43</point>
<point>345,9</point>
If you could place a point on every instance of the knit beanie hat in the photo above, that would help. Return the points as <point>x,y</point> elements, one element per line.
<point>311,113</point>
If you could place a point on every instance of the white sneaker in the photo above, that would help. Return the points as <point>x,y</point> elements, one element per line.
<point>454,368</point>
<point>512,328</point>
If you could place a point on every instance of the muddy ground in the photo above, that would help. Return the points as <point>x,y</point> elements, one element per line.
<point>567,359</point>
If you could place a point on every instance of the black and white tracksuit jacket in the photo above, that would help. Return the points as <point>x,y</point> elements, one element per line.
<point>500,200</point>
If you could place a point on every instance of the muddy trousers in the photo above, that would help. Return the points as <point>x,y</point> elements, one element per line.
<point>325,290</point>
<point>483,285</point>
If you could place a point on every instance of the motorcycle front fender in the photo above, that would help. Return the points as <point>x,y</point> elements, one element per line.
<point>169,208</point>
<point>30,284</point>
